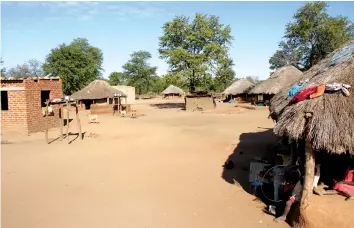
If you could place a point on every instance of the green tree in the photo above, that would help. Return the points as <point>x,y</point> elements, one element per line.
<point>311,36</point>
<point>77,64</point>
<point>31,68</point>
<point>253,79</point>
<point>117,78</point>
<point>139,72</point>
<point>3,69</point>
<point>194,48</point>
<point>157,85</point>
<point>224,76</point>
<point>288,54</point>
<point>175,79</point>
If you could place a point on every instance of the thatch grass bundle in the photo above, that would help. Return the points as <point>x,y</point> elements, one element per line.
<point>240,86</point>
<point>277,81</point>
<point>173,90</point>
<point>97,89</point>
<point>331,126</point>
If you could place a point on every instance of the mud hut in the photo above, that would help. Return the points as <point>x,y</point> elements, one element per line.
<point>238,90</point>
<point>99,93</point>
<point>268,88</point>
<point>326,122</point>
<point>172,91</point>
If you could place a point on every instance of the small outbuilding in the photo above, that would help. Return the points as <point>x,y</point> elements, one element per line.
<point>238,90</point>
<point>23,101</point>
<point>129,91</point>
<point>172,91</point>
<point>100,95</point>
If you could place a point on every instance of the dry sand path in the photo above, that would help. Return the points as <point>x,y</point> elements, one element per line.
<point>162,170</point>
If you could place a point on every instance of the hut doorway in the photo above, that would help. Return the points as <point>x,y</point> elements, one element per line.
<point>87,104</point>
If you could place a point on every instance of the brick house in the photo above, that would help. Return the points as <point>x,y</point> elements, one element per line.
<point>22,101</point>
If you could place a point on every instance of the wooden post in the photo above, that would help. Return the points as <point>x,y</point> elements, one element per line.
<point>46,123</point>
<point>107,100</point>
<point>67,120</point>
<point>78,121</point>
<point>61,120</point>
<point>309,175</point>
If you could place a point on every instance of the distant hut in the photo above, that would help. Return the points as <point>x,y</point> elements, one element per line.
<point>325,123</point>
<point>268,88</point>
<point>238,90</point>
<point>98,92</point>
<point>172,91</point>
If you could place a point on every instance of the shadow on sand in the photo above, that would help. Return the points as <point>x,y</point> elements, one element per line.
<point>169,106</point>
<point>251,145</point>
<point>70,134</point>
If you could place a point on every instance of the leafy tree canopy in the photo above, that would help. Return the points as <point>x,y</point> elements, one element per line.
<point>77,64</point>
<point>31,68</point>
<point>139,73</point>
<point>195,48</point>
<point>117,78</point>
<point>311,36</point>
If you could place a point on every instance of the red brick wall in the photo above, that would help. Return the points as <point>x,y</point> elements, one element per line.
<point>35,119</point>
<point>15,119</point>
<point>25,112</point>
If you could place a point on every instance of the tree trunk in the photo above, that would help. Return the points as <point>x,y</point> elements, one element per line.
<point>309,175</point>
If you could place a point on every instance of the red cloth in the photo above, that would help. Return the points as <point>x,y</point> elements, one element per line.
<point>303,95</point>
<point>345,188</point>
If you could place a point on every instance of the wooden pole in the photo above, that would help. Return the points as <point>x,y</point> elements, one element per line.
<point>78,120</point>
<point>46,123</point>
<point>61,120</point>
<point>309,175</point>
<point>67,120</point>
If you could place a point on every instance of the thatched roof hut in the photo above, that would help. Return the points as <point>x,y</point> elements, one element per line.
<point>173,90</point>
<point>331,125</point>
<point>97,89</point>
<point>277,80</point>
<point>240,86</point>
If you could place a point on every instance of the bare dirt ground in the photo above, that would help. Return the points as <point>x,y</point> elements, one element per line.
<point>161,170</point>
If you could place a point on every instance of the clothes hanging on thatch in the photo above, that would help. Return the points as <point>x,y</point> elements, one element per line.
<point>331,125</point>
<point>303,95</point>
<point>319,91</point>
<point>97,89</point>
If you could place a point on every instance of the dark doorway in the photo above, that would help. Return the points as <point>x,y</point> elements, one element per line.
<point>45,94</point>
<point>4,100</point>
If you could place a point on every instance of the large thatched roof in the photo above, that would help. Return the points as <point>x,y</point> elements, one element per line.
<point>239,87</point>
<point>97,89</point>
<point>331,126</point>
<point>277,80</point>
<point>173,90</point>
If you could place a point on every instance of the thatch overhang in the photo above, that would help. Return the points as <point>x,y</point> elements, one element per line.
<point>173,90</point>
<point>97,89</point>
<point>277,81</point>
<point>331,125</point>
<point>240,86</point>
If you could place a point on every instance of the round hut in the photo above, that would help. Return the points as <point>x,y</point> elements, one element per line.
<point>264,92</point>
<point>238,90</point>
<point>99,93</point>
<point>324,120</point>
<point>172,91</point>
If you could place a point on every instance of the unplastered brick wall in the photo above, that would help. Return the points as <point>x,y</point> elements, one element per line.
<point>35,119</point>
<point>24,102</point>
<point>15,118</point>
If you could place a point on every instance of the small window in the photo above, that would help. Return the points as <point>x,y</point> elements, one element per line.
<point>45,94</point>
<point>4,100</point>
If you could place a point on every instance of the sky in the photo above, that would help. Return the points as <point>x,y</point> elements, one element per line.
<point>29,30</point>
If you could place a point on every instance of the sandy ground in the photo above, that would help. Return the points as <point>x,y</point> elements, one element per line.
<point>161,170</point>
